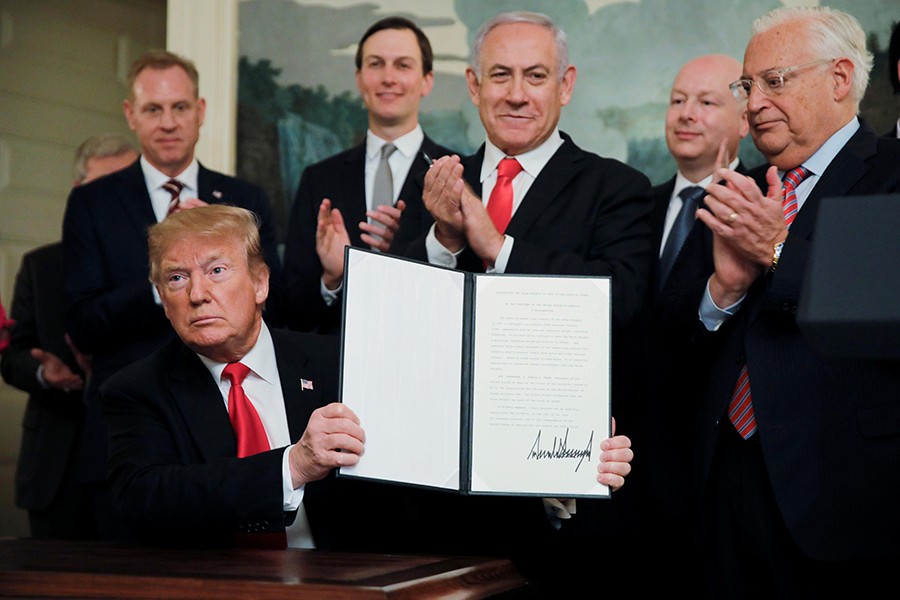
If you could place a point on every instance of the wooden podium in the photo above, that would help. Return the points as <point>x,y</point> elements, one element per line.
<point>53,569</point>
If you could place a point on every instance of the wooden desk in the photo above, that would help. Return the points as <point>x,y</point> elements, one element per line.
<point>44,569</point>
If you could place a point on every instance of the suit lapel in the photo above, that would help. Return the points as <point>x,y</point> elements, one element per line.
<point>133,185</point>
<point>845,170</point>
<point>412,187</point>
<point>351,200</point>
<point>297,373</point>
<point>554,177</point>
<point>209,187</point>
<point>200,402</point>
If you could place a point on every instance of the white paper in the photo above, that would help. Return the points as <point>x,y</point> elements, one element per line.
<point>541,384</point>
<point>401,368</point>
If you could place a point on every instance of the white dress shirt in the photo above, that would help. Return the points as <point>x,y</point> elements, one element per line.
<point>533,162</point>
<point>159,197</point>
<point>263,389</point>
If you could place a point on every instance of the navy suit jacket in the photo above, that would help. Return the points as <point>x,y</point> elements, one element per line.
<point>829,427</point>
<point>111,313</point>
<point>340,178</point>
<point>173,465</point>
<point>53,417</point>
<point>679,369</point>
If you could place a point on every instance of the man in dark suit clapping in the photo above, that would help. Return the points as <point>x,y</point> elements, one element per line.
<point>799,451</point>
<point>531,201</point>
<point>341,200</point>
<point>703,120</point>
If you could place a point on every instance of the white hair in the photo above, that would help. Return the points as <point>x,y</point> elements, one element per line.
<point>832,34</point>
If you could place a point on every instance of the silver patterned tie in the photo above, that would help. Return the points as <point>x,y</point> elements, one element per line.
<point>383,187</point>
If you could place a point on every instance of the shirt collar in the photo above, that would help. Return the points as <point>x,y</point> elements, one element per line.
<point>156,178</point>
<point>682,182</point>
<point>818,162</point>
<point>260,359</point>
<point>407,144</point>
<point>532,161</point>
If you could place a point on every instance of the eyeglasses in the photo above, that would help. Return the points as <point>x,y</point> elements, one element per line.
<point>771,83</point>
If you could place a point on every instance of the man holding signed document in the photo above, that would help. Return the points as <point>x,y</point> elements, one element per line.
<point>181,464</point>
<point>569,212</point>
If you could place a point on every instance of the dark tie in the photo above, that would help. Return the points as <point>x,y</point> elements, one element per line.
<point>681,228</point>
<point>248,429</point>
<point>500,203</point>
<point>174,187</point>
<point>740,408</point>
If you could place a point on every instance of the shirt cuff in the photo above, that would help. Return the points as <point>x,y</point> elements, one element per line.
<point>330,296</point>
<point>40,377</point>
<point>292,498</point>
<point>711,315</point>
<point>502,256</point>
<point>437,253</point>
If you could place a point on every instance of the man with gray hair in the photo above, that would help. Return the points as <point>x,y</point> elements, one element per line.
<point>799,452</point>
<point>41,361</point>
<point>531,201</point>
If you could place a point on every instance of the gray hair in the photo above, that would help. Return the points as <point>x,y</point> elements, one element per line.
<point>100,146</point>
<point>832,34</point>
<point>539,19</point>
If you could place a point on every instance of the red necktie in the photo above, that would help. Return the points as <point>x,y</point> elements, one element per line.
<point>174,187</point>
<point>499,205</point>
<point>789,184</point>
<point>248,429</point>
<point>740,408</point>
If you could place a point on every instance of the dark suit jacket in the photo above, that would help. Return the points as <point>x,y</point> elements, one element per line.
<point>670,397</point>
<point>52,417</point>
<point>340,178</point>
<point>583,215</point>
<point>829,427</point>
<point>111,313</point>
<point>173,465</point>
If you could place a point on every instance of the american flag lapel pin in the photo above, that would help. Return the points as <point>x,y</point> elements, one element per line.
<point>306,384</point>
<point>217,194</point>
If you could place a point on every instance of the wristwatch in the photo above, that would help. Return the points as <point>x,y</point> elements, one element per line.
<point>776,254</point>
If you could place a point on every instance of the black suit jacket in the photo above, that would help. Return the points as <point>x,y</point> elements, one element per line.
<point>111,313</point>
<point>584,214</point>
<point>340,178</point>
<point>52,417</point>
<point>670,397</point>
<point>173,465</point>
<point>829,427</point>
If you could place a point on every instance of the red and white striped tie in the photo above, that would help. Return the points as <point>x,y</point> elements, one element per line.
<point>740,408</point>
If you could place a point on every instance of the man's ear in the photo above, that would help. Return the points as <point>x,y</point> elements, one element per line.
<point>842,74</point>
<point>567,85</point>
<point>474,86</point>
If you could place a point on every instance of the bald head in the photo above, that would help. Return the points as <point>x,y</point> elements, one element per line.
<point>703,112</point>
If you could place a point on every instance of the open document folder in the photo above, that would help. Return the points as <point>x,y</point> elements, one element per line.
<point>478,383</point>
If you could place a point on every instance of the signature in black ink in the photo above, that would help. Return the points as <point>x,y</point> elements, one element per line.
<point>560,449</point>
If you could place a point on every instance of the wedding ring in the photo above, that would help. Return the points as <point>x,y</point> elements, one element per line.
<point>732,217</point>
